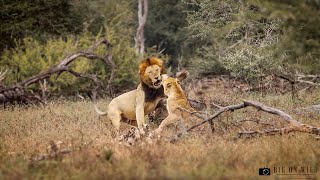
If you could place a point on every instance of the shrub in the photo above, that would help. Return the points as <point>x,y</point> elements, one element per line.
<point>31,57</point>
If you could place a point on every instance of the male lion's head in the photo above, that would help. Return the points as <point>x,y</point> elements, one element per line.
<point>150,71</point>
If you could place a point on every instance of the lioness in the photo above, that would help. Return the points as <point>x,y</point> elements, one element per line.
<point>176,100</point>
<point>136,104</point>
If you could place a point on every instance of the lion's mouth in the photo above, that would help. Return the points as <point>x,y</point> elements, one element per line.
<point>157,83</point>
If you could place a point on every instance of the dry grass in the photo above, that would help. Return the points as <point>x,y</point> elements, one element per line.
<point>26,132</point>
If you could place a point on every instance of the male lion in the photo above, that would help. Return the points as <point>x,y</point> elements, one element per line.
<point>136,104</point>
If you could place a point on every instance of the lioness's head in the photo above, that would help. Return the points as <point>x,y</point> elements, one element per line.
<point>150,71</point>
<point>172,87</point>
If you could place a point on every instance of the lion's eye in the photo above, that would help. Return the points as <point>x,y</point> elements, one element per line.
<point>168,85</point>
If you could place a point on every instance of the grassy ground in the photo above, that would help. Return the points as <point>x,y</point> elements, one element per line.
<point>27,132</point>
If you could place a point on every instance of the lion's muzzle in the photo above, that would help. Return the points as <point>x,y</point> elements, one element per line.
<point>158,81</point>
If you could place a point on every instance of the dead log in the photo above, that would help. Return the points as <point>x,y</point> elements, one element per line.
<point>221,110</point>
<point>293,125</point>
<point>20,93</point>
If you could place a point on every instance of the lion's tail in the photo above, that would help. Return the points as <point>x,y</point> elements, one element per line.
<point>101,113</point>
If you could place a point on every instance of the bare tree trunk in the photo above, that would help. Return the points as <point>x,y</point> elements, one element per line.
<point>142,18</point>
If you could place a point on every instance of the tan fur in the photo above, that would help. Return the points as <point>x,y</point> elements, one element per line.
<point>176,99</point>
<point>134,105</point>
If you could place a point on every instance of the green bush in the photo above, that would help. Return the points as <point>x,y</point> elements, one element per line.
<point>31,58</point>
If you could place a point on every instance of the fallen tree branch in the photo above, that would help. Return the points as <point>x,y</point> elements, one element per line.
<point>307,76</point>
<point>293,125</point>
<point>267,132</point>
<point>308,82</point>
<point>220,111</point>
<point>300,79</point>
<point>19,92</point>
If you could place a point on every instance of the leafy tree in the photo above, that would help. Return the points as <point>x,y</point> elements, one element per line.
<point>98,13</point>
<point>115,20</point>
<point>255,37</point>
<point>166,29</point>
<point>301,24</point>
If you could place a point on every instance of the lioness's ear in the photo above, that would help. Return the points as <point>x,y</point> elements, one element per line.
<point>182,75</point>
<point>164,77</point>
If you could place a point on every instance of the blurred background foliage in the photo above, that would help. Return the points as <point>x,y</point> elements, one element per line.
<point>30,54</point>
<point>248,39</point>
<point>249,36</point>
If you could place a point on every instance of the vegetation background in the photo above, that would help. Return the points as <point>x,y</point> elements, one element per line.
<point>250,40</point>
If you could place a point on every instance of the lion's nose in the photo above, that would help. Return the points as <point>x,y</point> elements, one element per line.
<point>158,78</point>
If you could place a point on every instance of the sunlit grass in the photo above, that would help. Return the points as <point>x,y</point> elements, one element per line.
<point>27,131</point>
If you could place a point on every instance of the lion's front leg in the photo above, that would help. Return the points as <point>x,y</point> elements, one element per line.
<point>140,116</point>
<point>140,109</point>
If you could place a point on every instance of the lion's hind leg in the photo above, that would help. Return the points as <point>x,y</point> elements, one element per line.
<point>115,117</point>
<point>167,121</point>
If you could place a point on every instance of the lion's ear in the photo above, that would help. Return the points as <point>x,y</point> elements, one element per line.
<point>140,68</point>
<point>143,65</point>
<point>163,70</point>
<point>148,61</point>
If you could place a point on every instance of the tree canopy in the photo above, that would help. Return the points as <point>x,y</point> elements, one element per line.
<point>289,28</point>
<point>40,19</point>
